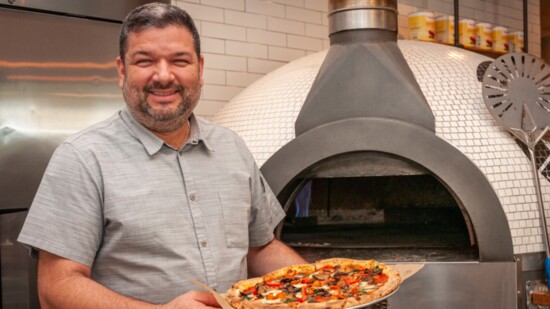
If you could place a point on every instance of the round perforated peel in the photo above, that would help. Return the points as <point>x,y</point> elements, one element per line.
<point>516,91</point>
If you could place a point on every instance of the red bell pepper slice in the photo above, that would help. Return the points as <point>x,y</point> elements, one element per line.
<point>380,278</point>
<point>273,284</point>
<point>251,290</point>
<point>304,295</point>
<point>350,280</point>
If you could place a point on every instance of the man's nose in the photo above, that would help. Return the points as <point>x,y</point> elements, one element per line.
<point>163,73</point>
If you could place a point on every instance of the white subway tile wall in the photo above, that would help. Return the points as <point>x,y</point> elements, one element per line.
<point>263,66</point>
<point>254,37</point>
<point>249,20</point>
<point>285,54</point>
<point>242,40</point>
<point>249,50</point>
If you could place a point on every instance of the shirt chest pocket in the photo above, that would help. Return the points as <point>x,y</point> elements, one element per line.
<point>236,216</point>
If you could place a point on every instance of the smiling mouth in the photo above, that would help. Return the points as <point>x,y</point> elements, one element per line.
<point>163,92</point>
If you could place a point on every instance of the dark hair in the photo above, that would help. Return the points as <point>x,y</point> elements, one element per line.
<point>156,15</point>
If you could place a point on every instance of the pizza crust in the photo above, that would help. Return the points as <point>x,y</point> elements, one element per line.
<point>281,273</point>
<point>233,295</point>
<point>345,263</point>
<point>335,304</point>
<point>394,280</point>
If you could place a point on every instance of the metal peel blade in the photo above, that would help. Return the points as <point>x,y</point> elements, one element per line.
<point>220,299</point>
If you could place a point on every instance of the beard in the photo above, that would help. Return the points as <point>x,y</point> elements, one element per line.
<point>161,120</point>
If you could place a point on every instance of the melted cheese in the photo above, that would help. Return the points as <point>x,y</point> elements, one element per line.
<point>274,292</point>
<point>365,286</point>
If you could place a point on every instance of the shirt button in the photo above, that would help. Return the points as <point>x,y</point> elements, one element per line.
<point>203,243</point>
<point>192,196</point>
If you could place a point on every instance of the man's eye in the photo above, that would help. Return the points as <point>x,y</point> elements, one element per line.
<point>181,61</point>
<point>143,62</point>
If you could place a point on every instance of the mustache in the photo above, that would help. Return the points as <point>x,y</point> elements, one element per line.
<point>159,86</point>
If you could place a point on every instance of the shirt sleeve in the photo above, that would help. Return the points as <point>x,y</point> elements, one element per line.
<point>266,212</point>
<point>65,217</point>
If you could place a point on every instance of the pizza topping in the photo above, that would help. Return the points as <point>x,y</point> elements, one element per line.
<point>292,288</point>
<point>321,276</point>
<point>325,283</point>
<point>273,284</point>
<point>290,273</point>
<point>261,289</point>
<point>321,286</point>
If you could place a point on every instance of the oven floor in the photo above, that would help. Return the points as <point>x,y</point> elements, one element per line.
<point>414,243</point>
<point>406,255</point>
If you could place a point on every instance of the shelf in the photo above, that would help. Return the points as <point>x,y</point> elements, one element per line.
<point>489,53</point>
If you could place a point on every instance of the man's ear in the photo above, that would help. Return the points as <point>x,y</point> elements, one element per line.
<point>121,72</point>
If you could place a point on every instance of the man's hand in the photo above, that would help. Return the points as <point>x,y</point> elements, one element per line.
<point>193,300</point>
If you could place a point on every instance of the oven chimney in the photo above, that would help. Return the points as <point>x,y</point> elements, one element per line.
<point>364,74</point>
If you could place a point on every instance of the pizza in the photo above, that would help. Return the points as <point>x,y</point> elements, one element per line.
<point>331,283</point>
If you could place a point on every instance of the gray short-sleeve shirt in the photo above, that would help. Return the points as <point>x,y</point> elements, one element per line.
<point>146,216</point>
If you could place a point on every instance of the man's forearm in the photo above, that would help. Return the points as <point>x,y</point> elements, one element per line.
<point>270,257</point>
<point>66,284</point>
<point>63,283</point>
<point>83,293</point>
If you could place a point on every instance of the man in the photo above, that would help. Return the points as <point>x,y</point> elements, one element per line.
<point>131,208</point>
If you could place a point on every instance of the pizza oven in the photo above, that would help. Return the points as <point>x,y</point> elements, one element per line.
<point>366,166</point>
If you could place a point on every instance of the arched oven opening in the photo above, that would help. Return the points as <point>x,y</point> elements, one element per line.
<point>366,204</point>
<point>399,158</point>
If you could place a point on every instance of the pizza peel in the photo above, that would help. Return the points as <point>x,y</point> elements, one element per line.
<point>516,91</point>
<point>407,270</point>
<point>219,298</point>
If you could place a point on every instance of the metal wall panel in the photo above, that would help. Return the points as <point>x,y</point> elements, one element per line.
<point>18,268</point>
<point>101,9</point>
<point>57,76</point>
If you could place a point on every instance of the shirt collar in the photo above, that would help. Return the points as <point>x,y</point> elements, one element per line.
<point>198,133</point>
<point>152,143</point>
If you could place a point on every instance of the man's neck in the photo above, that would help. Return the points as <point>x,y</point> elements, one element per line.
<point>175,138</point>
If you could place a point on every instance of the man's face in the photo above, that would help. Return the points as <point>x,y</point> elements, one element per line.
<point>161,78</point>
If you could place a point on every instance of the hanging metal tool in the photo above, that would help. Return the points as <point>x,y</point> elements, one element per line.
<point>516,91</point>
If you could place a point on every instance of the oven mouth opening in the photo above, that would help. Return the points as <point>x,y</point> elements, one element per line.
<point>410,218</point>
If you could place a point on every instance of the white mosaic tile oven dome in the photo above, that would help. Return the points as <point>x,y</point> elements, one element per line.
<point>264,115</point>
